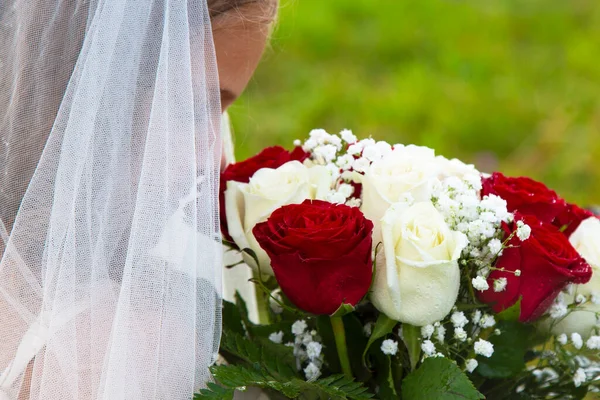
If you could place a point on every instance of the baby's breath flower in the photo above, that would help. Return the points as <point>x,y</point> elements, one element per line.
<point>483,348</point>
<point>427,331</point>
<point>523,231</point>
<point>562,339</point>
<point>558,310</point>
<point>389,347</point>
<point>348,136</point>
<point>355,149</point>
<point>480,283</point>
<point>495,246</point>
<point>517,272</point>
<point>312,372</point>
<point>579,377</point>
<point>353,203</point>
<point>500,284</point>
<point>577,340</point>
<point>300,353</point>
<point>497,332</point>
<point>297,142</point>
<point>361,165</point>
<point>580,299</point>
<point>327,151</point>
<point>428,347</point>
<point>460,334</point>
<point>440,333</point>
<point>345,161</point>
<point>276,337</point>
<point>368,329</point>
<point>345,189</point>
<point>593,343</point>
<point>595,298</point>
<point>336,198</point>
<point>313,350</point>
<point>310,144</point>
<point>458,319</point>
<point>476,316</point>
<point>471,364</point>
<point>487,321</point>
<point>299,327</point>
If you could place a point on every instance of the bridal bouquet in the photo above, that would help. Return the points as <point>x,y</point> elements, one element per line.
<point>385,271</point>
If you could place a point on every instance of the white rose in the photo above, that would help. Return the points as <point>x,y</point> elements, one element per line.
<point>247,204</point>
<point>586,240</point>
<point>408,171</point>
<point>417,275</point>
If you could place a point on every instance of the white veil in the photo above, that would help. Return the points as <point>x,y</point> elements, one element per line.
<point>110,279</point>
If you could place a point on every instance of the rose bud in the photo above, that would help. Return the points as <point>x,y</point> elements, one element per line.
<point>586,240</point>
<point>417,275</point>
<point>525,196</point>
<point>268,189</point>
<point>547,264</point>
<point>320,254</point>
<point>271,157</point>
<point>568,221</point>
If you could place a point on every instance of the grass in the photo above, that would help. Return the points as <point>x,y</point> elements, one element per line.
<point>510,85</point>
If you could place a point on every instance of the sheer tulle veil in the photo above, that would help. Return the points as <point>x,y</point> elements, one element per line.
<point>110,279</point>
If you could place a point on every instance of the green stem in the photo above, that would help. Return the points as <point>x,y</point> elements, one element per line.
<point>340,343</point>
<point>262,304</point>
<point>412,338</point>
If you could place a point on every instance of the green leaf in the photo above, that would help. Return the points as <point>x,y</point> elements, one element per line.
<point>252,329</point>
<point>242,310</point>
<point>356,342</point>
<point>232,319</point>
<point>252,255</point>
<point>512,313</point>
<point>277,359</point>
<point>438,378</point>
<point>383,326</point>
<point>235,377</point>
<point>214,392</point>
<point>328,339</point>
<point>344,309</point>
<point>383,374</point>
<point>510,348</point>
<point>411,336</point>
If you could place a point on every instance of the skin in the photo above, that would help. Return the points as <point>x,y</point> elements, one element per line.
<point>240,37</point>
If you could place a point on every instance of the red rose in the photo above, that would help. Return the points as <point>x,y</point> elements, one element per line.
<point>570,218</point>
<point>320,254</point>
<point>547,262</point>
<point>271,157</point>
<point>525,196</point>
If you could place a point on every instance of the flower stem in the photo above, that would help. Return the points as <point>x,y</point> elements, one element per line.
<point>411,337</point>
<point>340,343</point>
<point>262,303</point>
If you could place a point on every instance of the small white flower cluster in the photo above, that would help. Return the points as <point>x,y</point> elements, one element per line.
<point>558,309</point>
<point>480,219</point>
<point>592,343</point>
<point>327,149</point>
<point>575,367</point>
<point>307,349</point>
<point>434,341</point>
<point>389,347</point>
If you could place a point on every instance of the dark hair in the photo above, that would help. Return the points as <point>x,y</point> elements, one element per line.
<point>219,7</point>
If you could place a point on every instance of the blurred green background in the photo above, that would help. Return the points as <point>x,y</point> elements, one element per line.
<point>510,85</point>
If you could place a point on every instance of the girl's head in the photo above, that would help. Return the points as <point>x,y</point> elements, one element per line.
<point>240,31</point>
